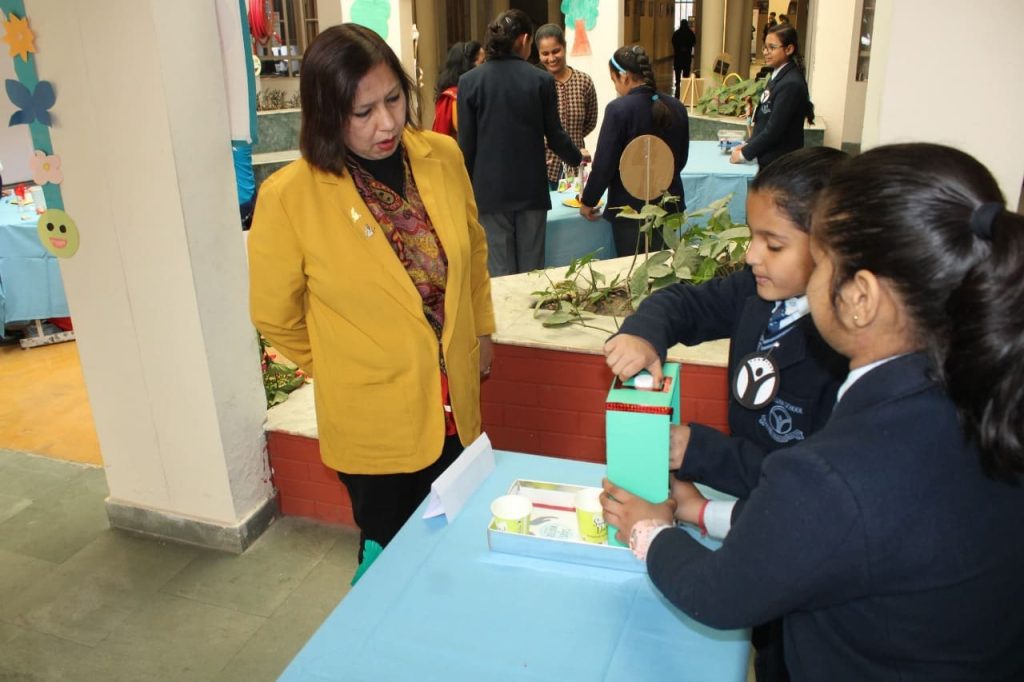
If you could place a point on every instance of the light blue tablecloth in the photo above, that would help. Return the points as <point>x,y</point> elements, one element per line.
<point>30,284</point>
<point>437,605</point>
<point>708,176</point>
<point>570,235</point>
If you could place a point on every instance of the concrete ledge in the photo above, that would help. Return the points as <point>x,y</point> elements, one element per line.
<point>162,524</point>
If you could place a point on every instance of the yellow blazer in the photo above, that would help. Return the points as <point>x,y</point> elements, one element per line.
<point>327,290</point>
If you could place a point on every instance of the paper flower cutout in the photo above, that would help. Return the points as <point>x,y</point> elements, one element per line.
<point>34,106</point>
<point>46,168</point>
<point>19,36</point>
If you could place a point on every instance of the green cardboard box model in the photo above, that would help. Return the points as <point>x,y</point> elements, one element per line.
<point>637,424</point>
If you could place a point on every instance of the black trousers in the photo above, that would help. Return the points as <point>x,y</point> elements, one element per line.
<point>382,503</point>
<point>769,657</point>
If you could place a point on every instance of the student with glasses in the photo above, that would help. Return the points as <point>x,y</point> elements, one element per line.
<point>785,103</point>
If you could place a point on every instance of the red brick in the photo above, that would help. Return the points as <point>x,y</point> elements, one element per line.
<point>293,506</point>
<point>298,448</point>
<point>493,414</point>
<point>592,425</point>
<point>704,384</point>
<point>523,418</point>
<point>321,473</point>
<point>711,411</point>
<point>508,392</point>
<point>573,447</point>
<point>580,399</point>
<point>334,513</point>
<point>289,468</point>
<point>289,487</point>
<point>318,492</point>
<point>559,421</point>
<point>514,440</point>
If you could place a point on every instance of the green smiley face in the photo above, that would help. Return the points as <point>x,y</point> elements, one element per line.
<point>58,233</point>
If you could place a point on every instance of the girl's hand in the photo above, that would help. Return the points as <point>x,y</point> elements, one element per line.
<point>688,501</point>
<point>590,212</point>
<point>622,509</point>
<point>486,355</point>
<point>737,155</point>
<point>627,354</point>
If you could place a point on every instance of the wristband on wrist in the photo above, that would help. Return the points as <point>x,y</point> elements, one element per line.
<point>700,518</point>
<point>642,534</point>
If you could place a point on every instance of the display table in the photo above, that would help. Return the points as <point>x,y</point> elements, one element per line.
<point>437,605</point>
<point>30,283</point>
<point>708,176</point>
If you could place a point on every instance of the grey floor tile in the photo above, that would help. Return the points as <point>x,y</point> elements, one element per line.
<point>292,623</point>
<point>25,475</point>
<point>96,589</point>
<point>60,521</point>
<point>172,639</point>
<point>11,505</point>
<point>259,580</point>
<point>18,574</point>
<point>27,655</point>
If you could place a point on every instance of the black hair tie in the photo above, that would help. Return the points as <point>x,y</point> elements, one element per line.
<point>982,217</point>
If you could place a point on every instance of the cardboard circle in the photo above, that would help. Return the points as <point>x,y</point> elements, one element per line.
<point>646,167</point>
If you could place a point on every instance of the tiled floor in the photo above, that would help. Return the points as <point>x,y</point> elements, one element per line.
<point>79,601</point>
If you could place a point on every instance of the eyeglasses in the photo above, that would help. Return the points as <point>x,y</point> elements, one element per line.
<point>770,48</point>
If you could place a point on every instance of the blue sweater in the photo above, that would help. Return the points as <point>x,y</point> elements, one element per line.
<point>879,540</point>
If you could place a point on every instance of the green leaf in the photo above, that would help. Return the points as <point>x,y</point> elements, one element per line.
<point>558,319</point>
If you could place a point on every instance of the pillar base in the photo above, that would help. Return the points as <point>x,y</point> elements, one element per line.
<point>162,524</point>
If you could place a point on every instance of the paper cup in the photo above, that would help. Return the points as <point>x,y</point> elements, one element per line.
<point>512,513</point>
<point>590,516</point>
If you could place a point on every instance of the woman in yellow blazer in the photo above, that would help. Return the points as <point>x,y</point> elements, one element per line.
<point>368,268</point>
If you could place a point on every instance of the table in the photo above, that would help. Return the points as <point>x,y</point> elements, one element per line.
<point>708,176</point>
<point>30,283</point>
<point>570,235</point>
<point>437,605</point>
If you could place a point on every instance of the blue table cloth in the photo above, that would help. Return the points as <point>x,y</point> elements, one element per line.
<point>30,283</point>
<point>708,176</point>
<point>438,605</point>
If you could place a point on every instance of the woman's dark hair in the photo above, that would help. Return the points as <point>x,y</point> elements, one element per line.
<point>503,31</point>
<point>931,221</point>
<point>787,36</point>
<point>461,58</point>
<point>550,31</point>
<point>795,180</point>
<point>633,59</point>
<point>332,67</point>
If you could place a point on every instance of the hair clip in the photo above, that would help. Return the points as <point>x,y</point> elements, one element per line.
<point>654,97</point>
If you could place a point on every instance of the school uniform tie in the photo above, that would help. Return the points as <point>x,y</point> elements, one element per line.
<point>774,330</point>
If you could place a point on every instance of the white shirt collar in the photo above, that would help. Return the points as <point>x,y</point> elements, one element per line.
<point>776,72</point>
<point>856,374</point>
<point>795,308</point>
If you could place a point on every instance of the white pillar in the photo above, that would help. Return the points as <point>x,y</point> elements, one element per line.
<point>737,35</point>
<point>712,22</point>
<point>832,80</point>
<point>972,101</point>
<point>158,288</point>
<point>328,13</point>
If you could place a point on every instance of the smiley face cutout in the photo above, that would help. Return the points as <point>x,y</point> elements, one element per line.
<point>58,233</point>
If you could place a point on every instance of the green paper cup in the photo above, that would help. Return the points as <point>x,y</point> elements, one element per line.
<point>512,514</point>
<point>590,516</point>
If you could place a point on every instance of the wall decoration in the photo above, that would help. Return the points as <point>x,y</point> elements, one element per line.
<point>58,233</point>
<point>34,99</point>
<point>582,15</point>
<point>46,168</point>
<point>373,14</point>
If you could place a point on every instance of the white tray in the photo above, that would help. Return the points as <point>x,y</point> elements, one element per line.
<point>553,531</point>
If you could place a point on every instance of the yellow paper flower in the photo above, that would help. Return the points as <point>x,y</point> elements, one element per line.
<point>19,36</point>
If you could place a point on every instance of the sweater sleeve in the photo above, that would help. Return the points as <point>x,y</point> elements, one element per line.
<point>688,313</point>
<point>727,463</point>
<point>277,282</point>
<point>796,543</point>
<point>610,143</point>
<point>465,111</point>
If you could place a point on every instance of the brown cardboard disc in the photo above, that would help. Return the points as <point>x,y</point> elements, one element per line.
<point>646,167</point>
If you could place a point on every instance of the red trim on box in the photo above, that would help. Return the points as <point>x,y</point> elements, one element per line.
<point>642,409</point>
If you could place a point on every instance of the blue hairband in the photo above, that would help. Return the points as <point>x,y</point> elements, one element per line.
<point>618,67</point>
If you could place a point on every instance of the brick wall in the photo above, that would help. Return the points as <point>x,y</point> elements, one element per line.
<point>537,401</point>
